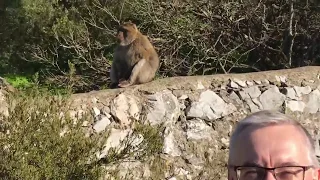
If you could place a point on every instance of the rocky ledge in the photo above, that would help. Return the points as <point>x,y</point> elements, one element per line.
<point>198,114</point>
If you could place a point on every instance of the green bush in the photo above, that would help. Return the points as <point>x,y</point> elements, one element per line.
<point>34,146</point>
<point>70,43</point>
<point>40,140</point>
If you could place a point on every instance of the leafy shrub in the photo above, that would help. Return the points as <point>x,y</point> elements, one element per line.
<point>70,43</point>
<point>40,140</point>
<point>18,81</point>
<point>39,143</point>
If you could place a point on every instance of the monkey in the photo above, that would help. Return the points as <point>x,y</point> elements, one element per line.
<point>135,60</point>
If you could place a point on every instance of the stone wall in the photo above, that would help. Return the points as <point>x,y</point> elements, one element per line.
<point>198,114</point>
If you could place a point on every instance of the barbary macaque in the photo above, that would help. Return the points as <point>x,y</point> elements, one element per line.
<point>135,59</point>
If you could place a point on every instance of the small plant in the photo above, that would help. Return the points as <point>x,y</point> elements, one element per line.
<point>18,81</point>
<point>144,142</point>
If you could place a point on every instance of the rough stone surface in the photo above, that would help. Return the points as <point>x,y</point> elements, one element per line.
<point>291,93</point>
<point>296,105</point>
<point>272,99</point>
<point>253,104</point>
<point>251,92</point>
<point>198,129</point>
<point>170,145</point>
<point>302,90</point>
<point>4,105</point>
<point>313,104</point>
<point>198,114</point>
<point>240,83</point>
<point>164,107</point>
<point>210,107</point>
<point>281,79</point>
<point>101,124</point>
<point>124,108</point>
<point>114,141</point>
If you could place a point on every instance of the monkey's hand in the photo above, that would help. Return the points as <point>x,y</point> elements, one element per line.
<point>124,84</point>
<point>122,79</point>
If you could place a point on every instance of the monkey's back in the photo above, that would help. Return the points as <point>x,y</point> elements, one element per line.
<point>147,51</point>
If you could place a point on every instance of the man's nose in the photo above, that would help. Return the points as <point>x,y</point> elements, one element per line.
<point>270,176</point>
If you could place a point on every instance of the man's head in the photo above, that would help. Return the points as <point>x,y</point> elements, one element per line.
<point>268,139</point>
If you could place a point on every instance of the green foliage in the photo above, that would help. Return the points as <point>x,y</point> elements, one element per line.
<point>18,81</point>
<point>153,140</point>
<point>39,143</point>
<point>129,149</point>
<point>192,37</point>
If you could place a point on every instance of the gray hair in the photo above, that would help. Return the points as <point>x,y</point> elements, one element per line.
<point>268,117</point>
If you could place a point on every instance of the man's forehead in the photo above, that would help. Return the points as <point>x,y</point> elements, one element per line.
<point>258,144</point>
<point>284,129</point>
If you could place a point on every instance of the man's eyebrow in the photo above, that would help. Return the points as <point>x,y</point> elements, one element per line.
<point>255,164</point>
<point>251,164</point>
<point>288,163</point>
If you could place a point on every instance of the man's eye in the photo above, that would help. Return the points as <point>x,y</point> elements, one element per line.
<point>289,173</point>
<point>290,170</point>
<point>249,172</point>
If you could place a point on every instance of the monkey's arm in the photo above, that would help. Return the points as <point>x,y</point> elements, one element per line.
<point>114,77</point>
<point>134,74</point>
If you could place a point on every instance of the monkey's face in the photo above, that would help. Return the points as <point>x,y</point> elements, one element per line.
<point>120,36</point>
<point>126,34</point>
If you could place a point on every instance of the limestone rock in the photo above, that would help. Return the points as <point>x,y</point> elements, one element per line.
<point>96,111</point>
<point>124,108</point>
<point>232,84</point>
<point>257,82</point>
<point>249,83</point>
<point>170,145</point>
<point>291,93</point>
<point>106,111</point>
<point>164,107</point>
<point>282,79</point>
<point>233,96</point>
<point>200,85</point>
<point>313,103</point>
<point>4,108</point>
<point>101,124</point>
<point>265,82</point>
<point>198,130</point>
<point>254,105</point>
<point>302,90</point>
<point>272,99</point>
<point>225,142</point>
<point>240,83</point>
<point>134,170</point>
<point>196,162</point>
<point>295,105</point>
<point>296,92</point>
<point>114,141</point>
<point>183,97</point>
<point>210,107</point>
<point>250,92</point>
<point>180,172</point>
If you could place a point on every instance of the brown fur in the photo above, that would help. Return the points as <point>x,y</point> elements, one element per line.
<point>135,59</point>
